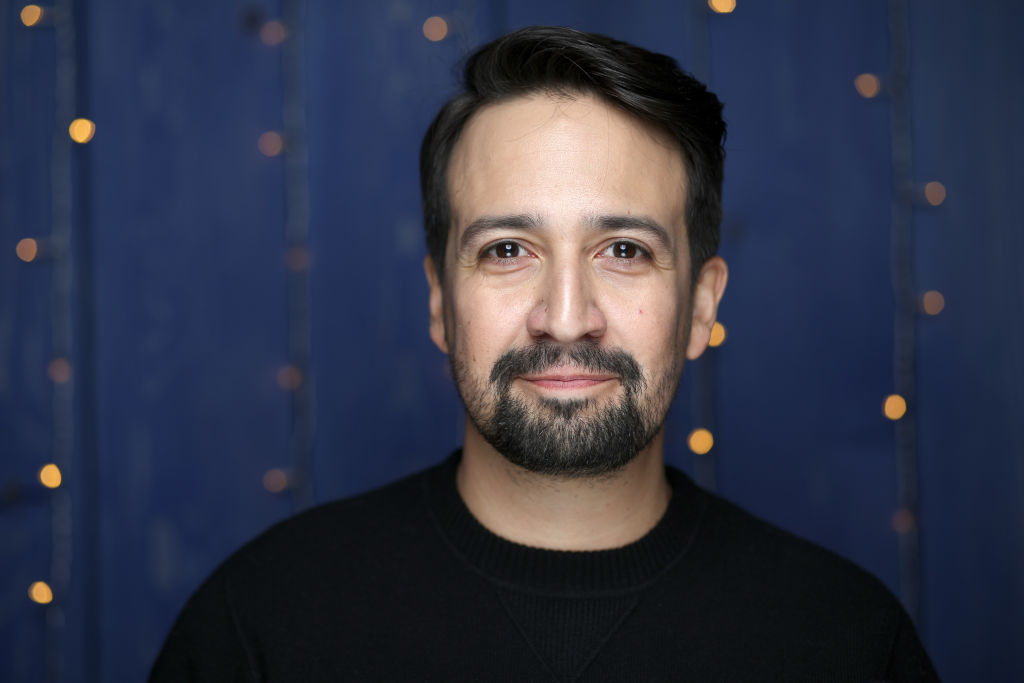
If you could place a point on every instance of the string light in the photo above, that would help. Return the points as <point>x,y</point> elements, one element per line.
<point>933,302</point>
<point>867,85</point>
<point>273,33</point>
<point>297,259</point>
<point>700,441</point>
<point>27,249</point>
<point>717,334</point>
<point>722,6</point>
<point>435,29</point>
<point>40,592</point>
<point>59,370</point>
<point>275,480</point>
<point>31,15</point>
<point>903,521</point>
<point>49,476</point>
<point>895,407</point>
<point>82,130</point>
<point>934,193</point>
<point>270,143</point>
<point>289,378</point>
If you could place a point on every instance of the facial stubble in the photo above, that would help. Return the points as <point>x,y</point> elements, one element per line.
<point>571,438</point>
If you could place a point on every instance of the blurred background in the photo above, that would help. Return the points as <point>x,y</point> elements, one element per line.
<point>213,313</point>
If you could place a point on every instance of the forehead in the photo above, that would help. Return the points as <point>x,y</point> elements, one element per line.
<point>560,157</point>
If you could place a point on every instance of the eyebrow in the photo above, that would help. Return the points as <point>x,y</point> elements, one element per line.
<point>643,224</point>
<point>521,221</point>
<point>525,221</point>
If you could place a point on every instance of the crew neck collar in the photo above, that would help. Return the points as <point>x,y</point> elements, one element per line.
<point>565,571</point>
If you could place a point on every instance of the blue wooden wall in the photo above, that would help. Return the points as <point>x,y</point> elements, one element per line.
<point>225,313</point>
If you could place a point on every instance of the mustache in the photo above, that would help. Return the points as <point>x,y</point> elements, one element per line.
<point>584,355</point>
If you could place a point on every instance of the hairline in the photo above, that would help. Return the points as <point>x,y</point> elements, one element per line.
<point>572,93</point>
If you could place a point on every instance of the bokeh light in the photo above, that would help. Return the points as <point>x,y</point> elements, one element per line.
<point>270,143</point>
<point>700,441</point>
<point>867,85</point>
<point>722,6</point>
<point>435,29</point>
<point>275,480</point>
<point>273,33</point>
<point>49,476</point>
<point>40,592</point>
<point>59,370</point>
<point>934,193</point>
<point>895,407</point>
<point>27,249</point>
<point>289,378</point>
<point>31,15</point>
<point>903,521</point>
<point>82,130</point>
<point>933,302</point>
<point>297,259</point>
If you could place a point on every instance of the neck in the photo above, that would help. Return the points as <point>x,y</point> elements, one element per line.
<point>561,513</point>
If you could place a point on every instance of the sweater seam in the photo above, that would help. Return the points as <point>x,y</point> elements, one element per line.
<point>604,641</point>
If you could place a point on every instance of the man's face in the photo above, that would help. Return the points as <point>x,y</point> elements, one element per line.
<point>566,306</point>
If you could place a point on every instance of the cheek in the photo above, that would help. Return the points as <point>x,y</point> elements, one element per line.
<point>487,325</point>
<point>651,331</point>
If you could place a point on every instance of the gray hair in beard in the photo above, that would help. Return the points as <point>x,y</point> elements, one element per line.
<point>570,438</point>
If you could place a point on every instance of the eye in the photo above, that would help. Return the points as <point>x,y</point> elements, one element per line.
<point>625,250</point>
<point>505,250</point>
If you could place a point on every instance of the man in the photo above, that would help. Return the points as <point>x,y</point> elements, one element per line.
<point>572,202</point>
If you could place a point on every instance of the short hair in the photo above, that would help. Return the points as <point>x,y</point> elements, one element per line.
<point>564,61</point>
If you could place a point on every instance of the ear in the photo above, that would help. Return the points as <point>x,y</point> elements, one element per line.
<point>436,305</point>
<point>707,292</point>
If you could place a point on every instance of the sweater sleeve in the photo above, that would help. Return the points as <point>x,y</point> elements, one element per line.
<point>908,661</point>
<point>206,642</point>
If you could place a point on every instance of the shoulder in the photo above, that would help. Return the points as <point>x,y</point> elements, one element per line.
<point>761,552</point>
<point>339,534</point>
<point>793,602</point>
<point>280,585</point>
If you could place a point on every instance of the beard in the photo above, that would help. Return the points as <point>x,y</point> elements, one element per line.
<point>566,437</point>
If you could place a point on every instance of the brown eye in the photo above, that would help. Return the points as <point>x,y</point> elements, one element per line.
<point>506,250</point>
<point>625,254</point>
<point>624,250</point>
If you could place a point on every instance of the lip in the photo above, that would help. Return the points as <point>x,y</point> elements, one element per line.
<point>567,380</point>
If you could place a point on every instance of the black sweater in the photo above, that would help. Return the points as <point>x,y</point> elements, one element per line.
<point>404,584</point>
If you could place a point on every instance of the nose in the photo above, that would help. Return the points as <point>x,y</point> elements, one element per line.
<point>567,310</point>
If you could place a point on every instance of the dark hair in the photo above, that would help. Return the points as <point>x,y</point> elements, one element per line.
<point>564,61</point>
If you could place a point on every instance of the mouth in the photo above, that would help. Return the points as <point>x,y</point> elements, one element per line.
<point>567,380</point>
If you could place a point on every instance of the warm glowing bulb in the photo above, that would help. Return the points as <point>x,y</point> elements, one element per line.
<point>273,33</point>
<point>903,521</point>
<point>933,302</point>
<point>40,592</point>
<point>59,370</point>
<point>717,334</point>
<point>31,15</point>
<point>722,6</point>
<point>289,378</point>
<point>27,249</point>
<point>297,258</point>
<point>435,29</point>
<point>275,480</point>
<point>49,476</point>
<point>867,85</point>
<point>700,441</point>
<point>895,407</point>
<point>934,193</point>
<point>270,143</point>
<point>82,130</point>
